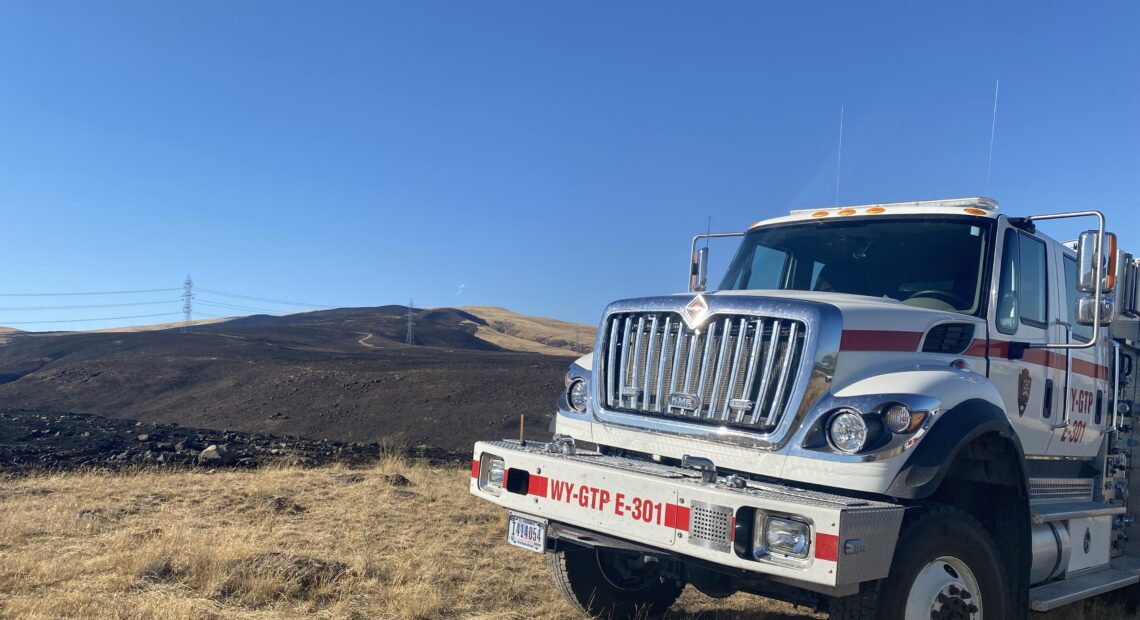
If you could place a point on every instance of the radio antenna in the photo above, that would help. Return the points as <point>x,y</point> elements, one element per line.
<point>839,156</point>
<point>993,130</point>
<point>708,233</point>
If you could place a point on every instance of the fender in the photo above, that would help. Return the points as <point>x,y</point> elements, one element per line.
<point>924,471</point>
<point>582,366</point>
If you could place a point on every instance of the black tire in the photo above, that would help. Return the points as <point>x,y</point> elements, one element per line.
<point>928,534</point>
<point>605,583</point>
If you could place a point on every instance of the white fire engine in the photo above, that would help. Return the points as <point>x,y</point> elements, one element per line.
<point>915,410</point>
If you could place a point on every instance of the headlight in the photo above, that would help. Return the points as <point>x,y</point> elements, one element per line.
<point>898,418</point>
<point>782,536</point>
<point>577,395</point>
<point>495,469</point>
<point>848,431</point>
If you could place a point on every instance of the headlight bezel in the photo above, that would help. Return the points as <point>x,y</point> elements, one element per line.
<point>883,443</point>
<point>763,548</point>
<point>578,386</point>
<point>489,481</point>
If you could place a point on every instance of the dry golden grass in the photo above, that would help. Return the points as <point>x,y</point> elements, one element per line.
<point>280,543</point>
<point>533,334</point>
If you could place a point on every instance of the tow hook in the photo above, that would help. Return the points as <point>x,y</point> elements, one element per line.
<point>561,444</point>
<point>701,464</point>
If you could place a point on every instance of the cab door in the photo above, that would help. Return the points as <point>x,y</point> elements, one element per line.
<point>1031,387</point>
<point>1086,392</point>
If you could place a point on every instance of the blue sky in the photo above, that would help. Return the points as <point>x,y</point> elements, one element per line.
<point>547,157</point>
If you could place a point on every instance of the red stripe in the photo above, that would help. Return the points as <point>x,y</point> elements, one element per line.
<point>1089,369</point>
<point>826,547</point>
<point>883,340</point>
<point>977,348</point>
<point>879,340</point>
<point>475,468</point>
<point>537,485</point>
<point>1050,359</point>
<point>677,517</point>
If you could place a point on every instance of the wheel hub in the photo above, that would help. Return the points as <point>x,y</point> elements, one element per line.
<point>953,603</point>
<point>945,589</point>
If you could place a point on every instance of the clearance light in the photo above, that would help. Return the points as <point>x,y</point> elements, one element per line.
<point>847,212</point>
<point>1110,280</point>
<point>973,211</point>
<point>819,214</point>
<point>876,210</point>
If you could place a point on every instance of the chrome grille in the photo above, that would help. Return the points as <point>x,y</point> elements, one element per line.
<point>736,370</point>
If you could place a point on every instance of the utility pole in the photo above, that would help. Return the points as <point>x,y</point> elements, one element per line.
<point>411,339</point>
<point>187,305</point>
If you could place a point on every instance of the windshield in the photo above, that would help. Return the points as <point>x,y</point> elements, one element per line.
<point>928,263</point>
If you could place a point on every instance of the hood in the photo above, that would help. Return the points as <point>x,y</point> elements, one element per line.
<point>861,313</point>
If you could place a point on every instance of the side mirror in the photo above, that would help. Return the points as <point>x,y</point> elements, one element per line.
<point>1086,306</point>
<point>1087,262</point>
<point>699,271</point>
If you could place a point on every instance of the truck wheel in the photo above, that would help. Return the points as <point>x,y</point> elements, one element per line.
<point>606,583</point>
<point>944,567</point>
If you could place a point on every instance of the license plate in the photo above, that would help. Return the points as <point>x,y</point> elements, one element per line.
<point>526,533</point>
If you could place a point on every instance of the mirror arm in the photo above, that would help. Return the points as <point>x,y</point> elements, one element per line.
<point>1023,223</point>
<point>693,254</point>
<point>1099,274</point>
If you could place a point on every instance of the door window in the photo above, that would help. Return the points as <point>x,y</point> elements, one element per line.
<point>1023,289</point>
<point>1034,285</point>
<point>1009,285</point>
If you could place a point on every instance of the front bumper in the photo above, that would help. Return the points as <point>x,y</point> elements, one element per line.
<point>671,509</point>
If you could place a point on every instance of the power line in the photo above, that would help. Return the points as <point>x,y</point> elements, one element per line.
<point>106,318</point>
<point>264,299</point>
<point>84,307</point>
<point>235,307</point>
<point>149,290</point>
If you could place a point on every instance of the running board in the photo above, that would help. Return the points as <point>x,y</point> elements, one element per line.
<point>1121,572</point>
<point>1063,511</point>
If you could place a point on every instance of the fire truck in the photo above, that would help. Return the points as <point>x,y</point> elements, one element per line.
<point>911,410</point>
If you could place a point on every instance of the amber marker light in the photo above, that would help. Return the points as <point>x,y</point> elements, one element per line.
<point>1110,281</point>
<point>847,212</point>
<point>973,211</point>
<point>819,214</point>
<point>876,210</point>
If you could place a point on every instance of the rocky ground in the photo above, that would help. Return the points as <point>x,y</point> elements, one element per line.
<point>37,441</point>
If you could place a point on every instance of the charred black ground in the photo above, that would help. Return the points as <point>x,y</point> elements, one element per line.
<point>339,375</point>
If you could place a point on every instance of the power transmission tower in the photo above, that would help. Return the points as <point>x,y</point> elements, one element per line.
<point>187,306</point>
<point>411,339</point>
